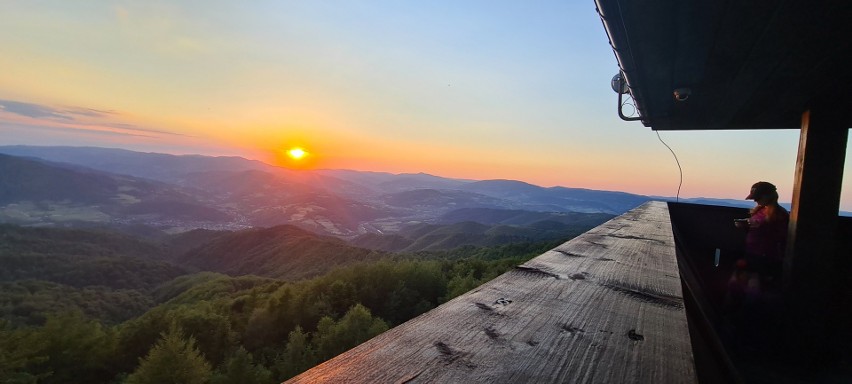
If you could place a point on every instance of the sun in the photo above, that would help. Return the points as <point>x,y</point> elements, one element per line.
<point>297,153</point>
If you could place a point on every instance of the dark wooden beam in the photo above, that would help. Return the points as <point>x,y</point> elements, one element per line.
<point>809,273</point>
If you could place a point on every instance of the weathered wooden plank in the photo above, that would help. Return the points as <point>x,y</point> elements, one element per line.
<point>605,307</point>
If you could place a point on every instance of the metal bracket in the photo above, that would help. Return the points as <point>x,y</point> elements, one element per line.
<point>629,101</point>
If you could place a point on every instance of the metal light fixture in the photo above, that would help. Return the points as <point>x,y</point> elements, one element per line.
<point>682,94</point>
<point>618,84</point>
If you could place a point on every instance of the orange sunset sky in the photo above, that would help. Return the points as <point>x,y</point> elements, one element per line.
<point>466,89</point>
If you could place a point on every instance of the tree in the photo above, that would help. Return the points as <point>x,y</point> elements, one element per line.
<point>298,356</point>
<point>357,326</point>
<point>460,284</point>
<point>172,360</point>
<point>17,353</point>
<point>240,369</point>
<point>210,329</point>
<point>68,348</point>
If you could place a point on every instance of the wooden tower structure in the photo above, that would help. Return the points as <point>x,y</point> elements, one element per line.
<point>721,65</point>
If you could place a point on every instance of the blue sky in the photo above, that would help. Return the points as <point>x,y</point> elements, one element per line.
<point>473,89</point>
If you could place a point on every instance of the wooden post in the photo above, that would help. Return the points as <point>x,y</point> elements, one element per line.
<point>809,275</point>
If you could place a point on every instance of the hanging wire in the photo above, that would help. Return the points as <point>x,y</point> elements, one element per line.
<point>679,169</point>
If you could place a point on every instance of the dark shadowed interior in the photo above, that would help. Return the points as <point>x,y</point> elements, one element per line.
<point>760,344</point>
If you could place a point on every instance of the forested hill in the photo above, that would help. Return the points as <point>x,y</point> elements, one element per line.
<point>483,227</point>
<point>72,241</point>
<point>104,275</point>
<point>113,276</point>
<point>284,252</point>
<point>82,258</point>
<point>80,306</point>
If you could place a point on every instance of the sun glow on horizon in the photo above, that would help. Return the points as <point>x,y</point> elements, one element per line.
<point>297,153</point>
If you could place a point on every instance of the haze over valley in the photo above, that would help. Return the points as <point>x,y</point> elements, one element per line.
<point>239,270</point>
<point>90,186</point>
<point>261,271</point>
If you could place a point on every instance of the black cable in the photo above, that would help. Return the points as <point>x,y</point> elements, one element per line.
<point>679,169</point>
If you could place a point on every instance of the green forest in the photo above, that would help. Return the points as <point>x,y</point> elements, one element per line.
<point>104,307</point>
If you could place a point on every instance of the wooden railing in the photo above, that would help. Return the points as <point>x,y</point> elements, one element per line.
<point>605,307</point>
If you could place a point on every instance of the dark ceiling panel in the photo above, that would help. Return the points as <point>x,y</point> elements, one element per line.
<point>749,64</point>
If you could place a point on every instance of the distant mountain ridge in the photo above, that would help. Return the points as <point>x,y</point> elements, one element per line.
<point>32,190</point>
<point>155,166</point>
<point>179,193</point>
<point>519,217</point>
<point>560,199</point>
<point>391,183</point>
<point>25,178</point>
<point>483,227</point>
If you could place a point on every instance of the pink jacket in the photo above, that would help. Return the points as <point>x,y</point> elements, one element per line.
<point>767,238</point>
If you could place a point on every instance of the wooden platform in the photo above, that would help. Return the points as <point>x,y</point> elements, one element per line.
<point>605,307</point>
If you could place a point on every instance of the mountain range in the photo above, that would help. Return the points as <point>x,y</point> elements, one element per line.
<point>85,185</point>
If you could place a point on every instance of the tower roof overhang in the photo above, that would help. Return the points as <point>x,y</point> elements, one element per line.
<point>744,64</point>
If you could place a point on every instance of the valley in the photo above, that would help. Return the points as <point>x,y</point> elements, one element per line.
<point>68,186</point>
<point>263,272</point>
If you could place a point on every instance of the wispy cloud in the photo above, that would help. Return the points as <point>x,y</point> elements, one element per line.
<point>41,111</point>
<point>70,118</point>
<point>36,111</point>
<point>30,127</point>
<point>88,112</point>
<point>131,127</point>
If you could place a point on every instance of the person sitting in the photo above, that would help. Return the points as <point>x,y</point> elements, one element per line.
<point>767,234</point>
<point>760,269</point>
<point>752,302</point>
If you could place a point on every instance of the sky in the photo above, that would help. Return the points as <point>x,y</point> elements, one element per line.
<point>462,89</point>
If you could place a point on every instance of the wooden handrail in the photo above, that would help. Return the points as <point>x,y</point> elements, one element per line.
<point>605,307</point>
